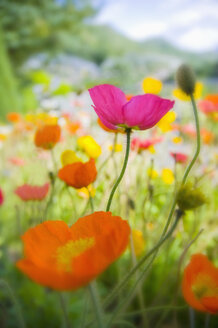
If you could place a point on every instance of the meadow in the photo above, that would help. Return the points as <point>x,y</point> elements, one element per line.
<point>139,194</point>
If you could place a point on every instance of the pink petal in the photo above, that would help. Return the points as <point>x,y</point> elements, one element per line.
<point>108,102</point>
<point>145,111</point>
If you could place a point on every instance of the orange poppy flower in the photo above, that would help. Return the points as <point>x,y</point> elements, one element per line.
<point>78,174</point>
<point>200,284</point>
<point>47,136</point>
<point>66,258</point>
<point>107,129</point>
<point>13,117</point>
<point>27,192</point>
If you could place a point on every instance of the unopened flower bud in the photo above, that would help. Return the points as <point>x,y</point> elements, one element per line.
<point>190,197</point>
<point>185,78</point>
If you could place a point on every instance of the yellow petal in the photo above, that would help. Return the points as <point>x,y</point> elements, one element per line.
<point>178,93</point>
<point>151,85</point>
<point>69,157</point>
<point>165,123</point>
<point>151,149</point>
<point>177,140</point>
<point>118,148</point>
<point>153,174</point>
<point>138,242</point>
<point>85,193</point>
<point>89,146</point>
<point>167,176</point>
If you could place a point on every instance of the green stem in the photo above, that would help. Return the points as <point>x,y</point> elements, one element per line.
<point>198,148</point>
<point>142,260</point>
<point>20,320</point>
<point>90,200</point>
<point>64,309</point>
<point>128,132</point>
<point>157,308</point>
<point>96,304</point>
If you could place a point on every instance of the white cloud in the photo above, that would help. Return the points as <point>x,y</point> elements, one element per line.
<point>199,39</point>
<point>146,29</point>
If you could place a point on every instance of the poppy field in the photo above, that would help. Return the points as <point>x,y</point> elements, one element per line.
<point>108,212</point>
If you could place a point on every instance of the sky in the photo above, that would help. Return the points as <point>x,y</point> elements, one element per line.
<point>189,24</point>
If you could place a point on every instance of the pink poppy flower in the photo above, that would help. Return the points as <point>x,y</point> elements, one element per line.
<point>27,192</point>
<point>139,145</point>
<point>140,112</point>
<point>17,161</point>
<point>1,197</point>
<point>179,157</point>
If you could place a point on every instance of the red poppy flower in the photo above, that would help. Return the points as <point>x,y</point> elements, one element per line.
<point>1,197</point>
<point>139,145</point>
<point>66,258</point>
<point>78,174</point>
<point>47,136</point>
<point>200,284</point>
<point>28,192</point>
<point>179,157</point>
<point>209,106</point>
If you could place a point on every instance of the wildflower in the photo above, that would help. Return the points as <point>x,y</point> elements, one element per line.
<point>89,146</point>
<point>1,197</point>
<point>167,176</point>
<point>138,242</point>
<point>69,157</point>
<point>47,136</point>
<point>178,93</point>
<point>17,161</point>
<point>151,85</point>
<point>207,136</point>
<point>179,157</point>
<point>152,173</point>
<point>165,124</point>
<point>87,192</point>
<point>139,145</point>
<point>200,284</point>
<point>129,96</point>
<point>13,117</point>
<point>189,129</point>
<point>66,258</point>
<point>117,148</point>
<point>177,140</point>
<point>78,175</point>
<point>141,112</point>
<point>73,127</point>
<point>28,192</point>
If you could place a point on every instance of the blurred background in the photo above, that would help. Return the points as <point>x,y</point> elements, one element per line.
<point>53,48</point>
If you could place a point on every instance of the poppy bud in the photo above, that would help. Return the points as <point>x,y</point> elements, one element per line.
<point>190,197</point>
<point>185,78</point>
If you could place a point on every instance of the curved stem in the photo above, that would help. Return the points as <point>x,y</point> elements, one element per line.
<point>138,265</point>
<point>20,320</point>
<point>64,309</point>
<point>128,132</point>
<point>96,304</point>
<point>198,148</point>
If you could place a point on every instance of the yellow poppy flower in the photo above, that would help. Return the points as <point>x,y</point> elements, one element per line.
<point>85,193</point>
<point>165,123</point>
<point>89,146</point>
<point>178,93</point>
<point>167,176</point>
<point>177,140</point>
<point>138,242</point>
<point>151,85</point>
<point>118,148</point>
<point>153,174</point>
<point>69,157</point>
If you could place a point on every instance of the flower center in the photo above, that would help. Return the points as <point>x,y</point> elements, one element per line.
<point>70,250</point>
<point>204,287</point>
